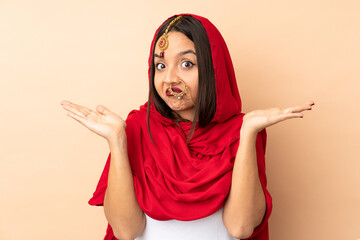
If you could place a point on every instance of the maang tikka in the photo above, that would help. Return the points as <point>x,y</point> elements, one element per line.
<point>163,41</point>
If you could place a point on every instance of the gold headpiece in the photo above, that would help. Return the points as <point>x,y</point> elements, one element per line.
<point>163,41</point>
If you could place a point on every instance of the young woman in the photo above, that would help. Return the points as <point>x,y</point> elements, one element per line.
<point>188,164</point>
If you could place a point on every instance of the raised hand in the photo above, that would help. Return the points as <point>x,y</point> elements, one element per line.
<point>257,120</point>
<point>102,121</point>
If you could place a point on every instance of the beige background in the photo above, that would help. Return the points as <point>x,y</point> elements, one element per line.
<point>95,52</point>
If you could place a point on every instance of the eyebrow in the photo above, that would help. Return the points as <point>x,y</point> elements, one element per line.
<point>180,54</point>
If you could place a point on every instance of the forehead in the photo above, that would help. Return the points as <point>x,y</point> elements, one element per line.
<point>177,42</point>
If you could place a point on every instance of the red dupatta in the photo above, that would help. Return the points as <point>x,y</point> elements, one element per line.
<point>188,181</point>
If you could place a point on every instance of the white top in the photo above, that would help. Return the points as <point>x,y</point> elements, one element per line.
<point>209,228</point>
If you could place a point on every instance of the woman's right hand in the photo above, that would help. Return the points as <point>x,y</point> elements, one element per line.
<point>102,121</point>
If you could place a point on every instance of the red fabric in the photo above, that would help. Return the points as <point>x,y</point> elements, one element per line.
<point>189,181</point>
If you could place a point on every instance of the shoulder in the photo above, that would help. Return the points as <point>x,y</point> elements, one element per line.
<point>137,114</point>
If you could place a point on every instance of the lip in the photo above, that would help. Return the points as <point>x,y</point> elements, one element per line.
<point>174,89</point>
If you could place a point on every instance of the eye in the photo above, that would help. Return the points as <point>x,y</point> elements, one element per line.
<point>159,66</point>
<point>187,64</point>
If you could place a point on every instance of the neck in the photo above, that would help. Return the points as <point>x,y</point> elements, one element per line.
<point>184,116</point>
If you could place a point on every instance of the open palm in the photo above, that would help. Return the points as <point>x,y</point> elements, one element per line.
<point>102,121</point>
<point>257,120</point>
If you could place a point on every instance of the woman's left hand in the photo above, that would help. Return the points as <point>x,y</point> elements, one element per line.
<point>257,120</point>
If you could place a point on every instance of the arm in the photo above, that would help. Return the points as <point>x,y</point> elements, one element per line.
<point>120,205</point>
<point>245,206</point>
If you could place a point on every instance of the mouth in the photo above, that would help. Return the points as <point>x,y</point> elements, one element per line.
<point>174,89</point>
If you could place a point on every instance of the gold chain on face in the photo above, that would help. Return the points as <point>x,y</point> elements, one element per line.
<point>171,23</point>
<point>163,41</point>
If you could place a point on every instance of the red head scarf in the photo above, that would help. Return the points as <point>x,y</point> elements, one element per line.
<point>188,181</point>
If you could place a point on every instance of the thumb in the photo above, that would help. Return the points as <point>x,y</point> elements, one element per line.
<point>103,110</point>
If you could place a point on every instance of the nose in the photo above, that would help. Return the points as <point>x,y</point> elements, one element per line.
<point>172,75</point>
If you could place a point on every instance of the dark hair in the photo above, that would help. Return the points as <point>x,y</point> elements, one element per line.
<point>206,97</point>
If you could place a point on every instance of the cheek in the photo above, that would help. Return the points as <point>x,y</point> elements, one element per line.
<point>195,89</point>
<point>195,93</point>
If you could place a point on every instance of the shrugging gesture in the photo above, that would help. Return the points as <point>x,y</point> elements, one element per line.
<point>192,81</point>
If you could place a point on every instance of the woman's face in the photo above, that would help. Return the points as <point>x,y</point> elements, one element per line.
<point>179,63</point>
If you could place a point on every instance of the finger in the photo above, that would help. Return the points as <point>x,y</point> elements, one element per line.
<point>286,116</point>
<point>310,103</point>
<point>80,109</point>
<point>293,115</point>
<point>297,109</point>
<point>64,102</point>
<point>102,109</point>
<point>76,110</point>
<point>80,119</point>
